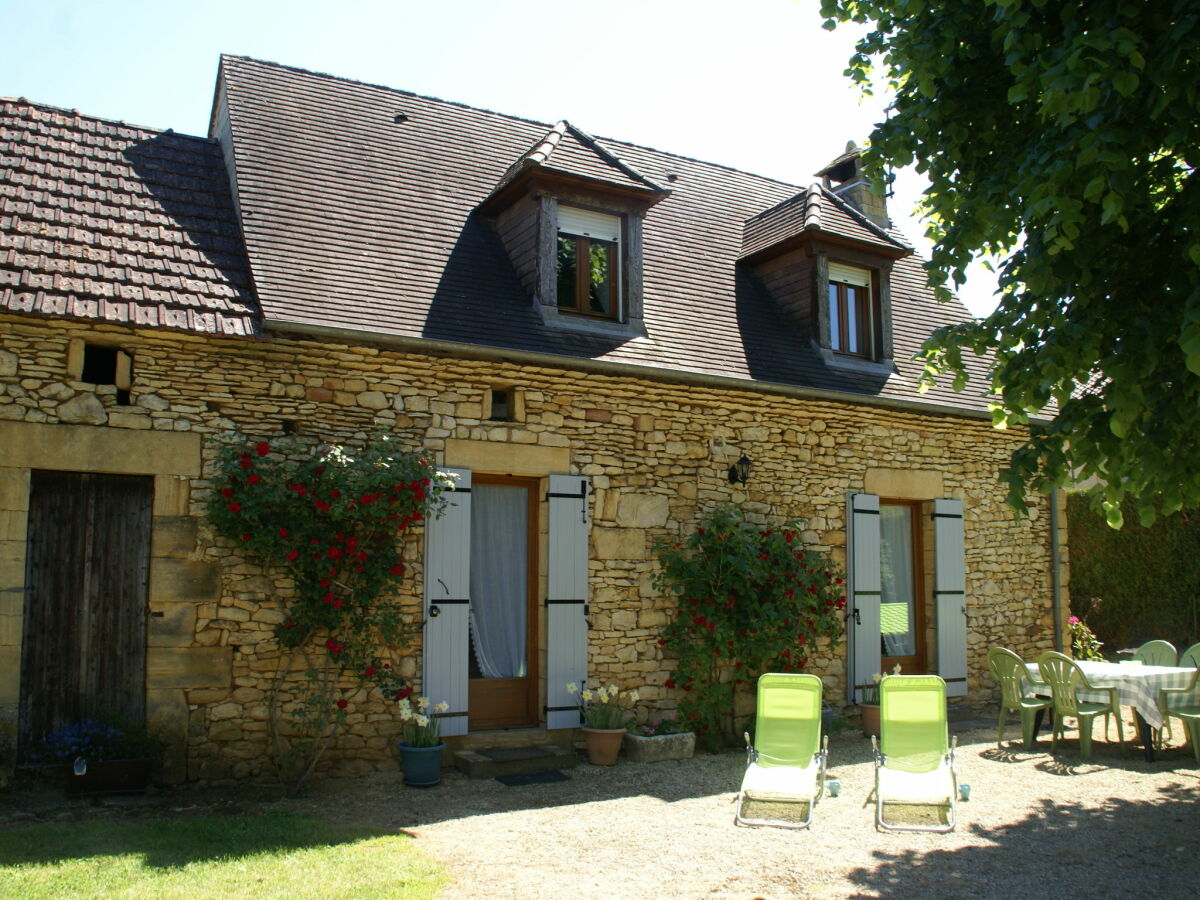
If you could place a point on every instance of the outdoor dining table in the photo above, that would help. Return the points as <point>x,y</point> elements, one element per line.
<point>1136,685</point>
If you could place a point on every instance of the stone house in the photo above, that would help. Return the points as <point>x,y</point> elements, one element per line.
<point>339,258</point>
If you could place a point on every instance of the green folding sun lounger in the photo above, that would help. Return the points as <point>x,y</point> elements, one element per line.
<point>914,759</point>
<point>786,761</point>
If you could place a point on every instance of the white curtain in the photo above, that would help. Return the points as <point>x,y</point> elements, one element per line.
<point>896,615</point>
<point>499,543</point>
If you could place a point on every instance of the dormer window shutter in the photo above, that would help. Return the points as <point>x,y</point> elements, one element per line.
<point>601,226</point>
<point>849,275</point>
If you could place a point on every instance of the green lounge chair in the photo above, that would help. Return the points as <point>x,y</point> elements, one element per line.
<point>786,762</point>
<point>1155,653</point>
<point>1065,678</point>
<point>914,759</point>
<point>1012,675</point>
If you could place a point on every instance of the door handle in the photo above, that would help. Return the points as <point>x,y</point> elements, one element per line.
<point>434,611</point>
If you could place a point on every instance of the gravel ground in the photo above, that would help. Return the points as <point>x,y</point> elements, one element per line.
<point>1035,826</point>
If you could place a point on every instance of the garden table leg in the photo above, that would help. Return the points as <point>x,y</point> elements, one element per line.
<point>1147,734</point>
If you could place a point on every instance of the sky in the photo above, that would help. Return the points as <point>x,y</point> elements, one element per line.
<point>753,84</point>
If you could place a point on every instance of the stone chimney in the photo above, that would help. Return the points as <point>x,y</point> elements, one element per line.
<point>844,177</point>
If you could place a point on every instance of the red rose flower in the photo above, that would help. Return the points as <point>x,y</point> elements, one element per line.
<point>370,670</point>
<point>397,569</point>
<point>322,506</point>
<point>339,603</point>
<point>342,704</point>
<point>262,448</point>
<point>226,493</point>
<point>234,506</point>
<point>407,692</point>
<point>244,462</point>
<point>253,479</point>
<point>334,553</point>
<point>301,490</point>
<point>245,538</point>
<point>293,555</point>
<point>335,494</point>
<point>670,683</point>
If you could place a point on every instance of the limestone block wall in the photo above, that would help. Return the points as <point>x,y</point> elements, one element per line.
<point>656,452</point>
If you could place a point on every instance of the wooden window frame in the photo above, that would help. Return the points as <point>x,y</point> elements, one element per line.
<point>839,337</point>
<point>581,305</point>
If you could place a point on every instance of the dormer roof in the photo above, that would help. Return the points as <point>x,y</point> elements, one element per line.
<point>569,155</point>
<point>815,210</point>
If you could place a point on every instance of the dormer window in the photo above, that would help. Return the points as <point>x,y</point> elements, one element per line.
<point>851,312</point>
<point>588,263</point>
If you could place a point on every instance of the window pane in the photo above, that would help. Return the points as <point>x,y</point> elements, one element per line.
<point>600,277</point>
<point>897,626</point>
<point>566,271</point>
<point>835,319</point>
<point>863,331</point>
<point>852,319</point>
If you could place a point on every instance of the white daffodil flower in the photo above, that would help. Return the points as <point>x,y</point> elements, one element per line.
<point>572,688</point>
<point>441,707</point>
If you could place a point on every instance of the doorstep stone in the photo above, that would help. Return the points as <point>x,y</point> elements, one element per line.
<point>490,762</point>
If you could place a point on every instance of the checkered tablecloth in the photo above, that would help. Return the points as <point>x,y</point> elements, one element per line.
<point>1137,686</point>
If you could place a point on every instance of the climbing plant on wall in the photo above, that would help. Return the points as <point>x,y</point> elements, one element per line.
<point>750,599</point>
<point>332,519</point>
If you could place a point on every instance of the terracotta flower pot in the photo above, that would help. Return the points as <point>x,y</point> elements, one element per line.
<point>603,745</point>
<point>870,718</point>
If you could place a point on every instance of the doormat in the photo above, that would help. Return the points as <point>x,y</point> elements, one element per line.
<point>523,778</point>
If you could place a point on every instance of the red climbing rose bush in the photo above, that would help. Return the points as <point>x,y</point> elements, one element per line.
<point>333,519</point>
<point>750,599</point>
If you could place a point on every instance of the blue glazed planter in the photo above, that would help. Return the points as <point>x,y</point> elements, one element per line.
<point>422,765</point>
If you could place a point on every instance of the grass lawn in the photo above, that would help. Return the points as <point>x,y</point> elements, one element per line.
<point>273,855</point>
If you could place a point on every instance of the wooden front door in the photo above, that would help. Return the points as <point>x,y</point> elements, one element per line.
<point>901,606</point>
<point>502,692</point>
<point>87,575</point>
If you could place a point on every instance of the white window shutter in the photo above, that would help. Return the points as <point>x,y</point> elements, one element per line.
<point>849,275</point>
<point>865,585</point>
<point>447,604</point>
<point>601,226</point>
<point>566,599</point>
<point>950,595</point>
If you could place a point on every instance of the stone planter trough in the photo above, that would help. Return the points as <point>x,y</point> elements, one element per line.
<point>657,747</point>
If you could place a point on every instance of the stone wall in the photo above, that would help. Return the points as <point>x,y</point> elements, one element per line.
<point>656,452</point>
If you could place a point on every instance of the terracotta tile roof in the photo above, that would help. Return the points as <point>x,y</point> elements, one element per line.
<point>102,220</point>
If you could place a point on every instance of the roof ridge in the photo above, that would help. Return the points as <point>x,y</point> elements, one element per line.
<point>862,217</point>
<point>483,109</point>
<point>75,113</point>
<point>595,144</point>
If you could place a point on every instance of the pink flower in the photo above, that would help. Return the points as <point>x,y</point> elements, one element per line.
<point>1074,620</point>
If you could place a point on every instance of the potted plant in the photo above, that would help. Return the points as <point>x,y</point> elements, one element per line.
<point>661,737</point>
<point>868,703</point>
<point>100,757</point>
<point>868,706</point>
<point>421,749</point>
<point>604,713</point>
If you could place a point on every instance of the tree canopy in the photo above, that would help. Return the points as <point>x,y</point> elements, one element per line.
<point>1061,138</point>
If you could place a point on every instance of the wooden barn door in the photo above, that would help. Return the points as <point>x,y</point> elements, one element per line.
<point>88,560</point>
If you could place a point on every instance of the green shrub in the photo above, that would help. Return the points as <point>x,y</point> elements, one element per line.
<point>1137,583</point>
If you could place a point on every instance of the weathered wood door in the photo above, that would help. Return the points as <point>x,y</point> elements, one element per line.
<point>88,561</point>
